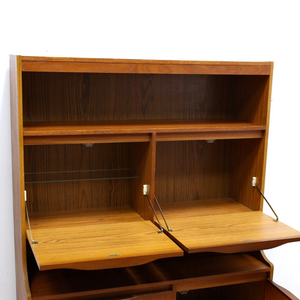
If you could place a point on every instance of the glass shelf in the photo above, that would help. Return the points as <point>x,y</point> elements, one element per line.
<point>80,175</point>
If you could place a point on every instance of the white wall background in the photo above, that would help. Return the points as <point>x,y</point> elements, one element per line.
<point>189,30</point>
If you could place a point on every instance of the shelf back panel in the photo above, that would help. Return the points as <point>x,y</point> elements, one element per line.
<point>192,170</point>
<point>61,97</point>
<point>200,170</point>
<point>62,162</point>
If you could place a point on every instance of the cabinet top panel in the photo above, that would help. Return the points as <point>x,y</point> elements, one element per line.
<point>93,65</point>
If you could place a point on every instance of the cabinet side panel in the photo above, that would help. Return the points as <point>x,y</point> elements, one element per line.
<point>276,292</point>
<point>269,94</point>
<point>249,156</point>
<point>23,291</point>
<point>249,98</point>
<point>143,161</point>
<point>246,162</point>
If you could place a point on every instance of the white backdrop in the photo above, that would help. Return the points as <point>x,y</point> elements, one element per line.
<point>189,30</point>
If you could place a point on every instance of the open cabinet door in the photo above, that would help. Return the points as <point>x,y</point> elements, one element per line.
<point>95,244</point>
<point>224,226</point>
<point>229,233</point>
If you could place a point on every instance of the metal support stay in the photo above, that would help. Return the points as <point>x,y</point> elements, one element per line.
<point>28,220</point>
<point>145,192</point>
<point>255,185</point>
<point>169,229</point>
<point>161,229</point>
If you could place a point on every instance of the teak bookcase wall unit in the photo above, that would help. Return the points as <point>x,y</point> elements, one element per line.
<point>96,142</point>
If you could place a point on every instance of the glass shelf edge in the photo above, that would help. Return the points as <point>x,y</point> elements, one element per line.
<point>132,175</point>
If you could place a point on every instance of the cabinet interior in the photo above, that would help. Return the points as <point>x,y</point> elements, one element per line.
<point>207,170</point>
<point>68,177</point>
<point>95,134</point>
<point>203,170</point>
<point>86,97</point>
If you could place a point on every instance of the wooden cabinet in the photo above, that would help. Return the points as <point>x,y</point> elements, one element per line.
<point>133,179</point>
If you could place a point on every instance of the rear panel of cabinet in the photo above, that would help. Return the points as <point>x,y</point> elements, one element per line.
<point>202,170</point>
<point>81,97</point>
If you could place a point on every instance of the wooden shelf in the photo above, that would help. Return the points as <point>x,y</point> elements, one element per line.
<point>81,132</point>
<point>197,208</point>
<point>225,226</point>
<point>103,215</point>
<point>216,269</point>
<point>93,244</point>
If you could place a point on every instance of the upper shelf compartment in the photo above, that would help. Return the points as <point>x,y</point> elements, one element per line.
<point>132,101</point>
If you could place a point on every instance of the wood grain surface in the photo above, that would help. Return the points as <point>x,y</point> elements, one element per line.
<point>228,233</point>
<point>23,289</point>
<point>175,273</point>
<point>84,97</point>
<point>138,131</point>
<point>62,64</point>
<point>187,209</point>
<point>195,132</point>
<point>103,215</point>
<point>100,246</point>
